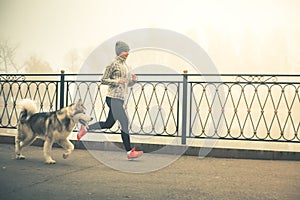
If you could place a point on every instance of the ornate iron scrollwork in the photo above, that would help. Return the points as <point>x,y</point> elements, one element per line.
<point>256,79</point>
<point>12,78</point>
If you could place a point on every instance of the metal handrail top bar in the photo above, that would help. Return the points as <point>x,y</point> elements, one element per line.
<point>189,74</point>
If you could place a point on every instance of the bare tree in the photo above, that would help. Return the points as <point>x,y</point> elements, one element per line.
<point>7,57</point>
<point>37,65</point>
<point>72,59</point>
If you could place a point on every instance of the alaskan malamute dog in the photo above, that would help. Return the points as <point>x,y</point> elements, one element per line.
<point>50,126</point>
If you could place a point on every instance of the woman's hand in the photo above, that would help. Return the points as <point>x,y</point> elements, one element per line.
<point>133,77</point>
<point>122,81</point>
<point>125,80</point>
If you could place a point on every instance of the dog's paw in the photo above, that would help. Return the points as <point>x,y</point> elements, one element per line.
<point>50,161</point>
<point>20,157</point>
<point>65,155</point>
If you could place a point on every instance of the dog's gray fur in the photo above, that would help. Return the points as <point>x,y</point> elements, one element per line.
<point>50,126</point>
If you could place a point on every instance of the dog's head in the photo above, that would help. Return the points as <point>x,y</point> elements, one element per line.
<point>78,113</point>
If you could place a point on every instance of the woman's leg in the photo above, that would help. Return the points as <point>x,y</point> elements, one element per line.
<point>120,115</point>
<point>110,120</point>
<point>116,112</point>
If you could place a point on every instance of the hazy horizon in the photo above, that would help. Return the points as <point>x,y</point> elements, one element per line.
<point>239,36</point>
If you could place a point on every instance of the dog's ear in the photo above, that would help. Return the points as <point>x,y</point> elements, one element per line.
<point>72,104</point>
<point>80,104</point>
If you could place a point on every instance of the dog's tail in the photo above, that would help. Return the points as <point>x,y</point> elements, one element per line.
<point>28,108</point>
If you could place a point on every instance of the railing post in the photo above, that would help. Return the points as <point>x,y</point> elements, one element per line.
<point>62,89</point>
<point>184,107</point>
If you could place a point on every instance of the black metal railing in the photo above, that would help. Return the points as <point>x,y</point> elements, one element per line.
<point>227,106</point>
<point>253,107</point>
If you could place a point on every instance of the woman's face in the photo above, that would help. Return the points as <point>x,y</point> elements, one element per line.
<point>124,54</point>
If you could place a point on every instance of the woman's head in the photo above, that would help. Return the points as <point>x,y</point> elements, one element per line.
<point>122,49</point>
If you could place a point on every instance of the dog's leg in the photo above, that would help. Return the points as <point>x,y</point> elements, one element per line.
<point>20,144</point>
<point>19,154</point>
<point>47,151</point>
<point>67,145</point>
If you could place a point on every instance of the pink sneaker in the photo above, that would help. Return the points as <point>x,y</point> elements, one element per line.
<point>134,154</point>
<point>81,133</point>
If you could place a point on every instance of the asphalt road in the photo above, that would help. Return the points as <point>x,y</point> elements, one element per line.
<point>83,176</point>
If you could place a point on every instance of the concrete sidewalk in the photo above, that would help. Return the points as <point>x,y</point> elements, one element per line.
<point>82,176</point>
<point>194,147</point>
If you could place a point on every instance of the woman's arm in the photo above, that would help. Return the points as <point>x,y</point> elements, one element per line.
<point>132,80</point>
<point>107,78</point>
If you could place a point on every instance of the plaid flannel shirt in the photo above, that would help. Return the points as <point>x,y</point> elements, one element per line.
<point>113,73</point>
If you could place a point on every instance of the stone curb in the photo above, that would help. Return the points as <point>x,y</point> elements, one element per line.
<point>172,149</point>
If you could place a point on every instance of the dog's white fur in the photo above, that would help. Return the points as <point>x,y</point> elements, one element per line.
<point>30,105</point>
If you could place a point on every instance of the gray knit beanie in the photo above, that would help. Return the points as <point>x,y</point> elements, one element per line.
<point>121,47</point>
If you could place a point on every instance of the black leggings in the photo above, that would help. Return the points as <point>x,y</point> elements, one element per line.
<point>116,113</point>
